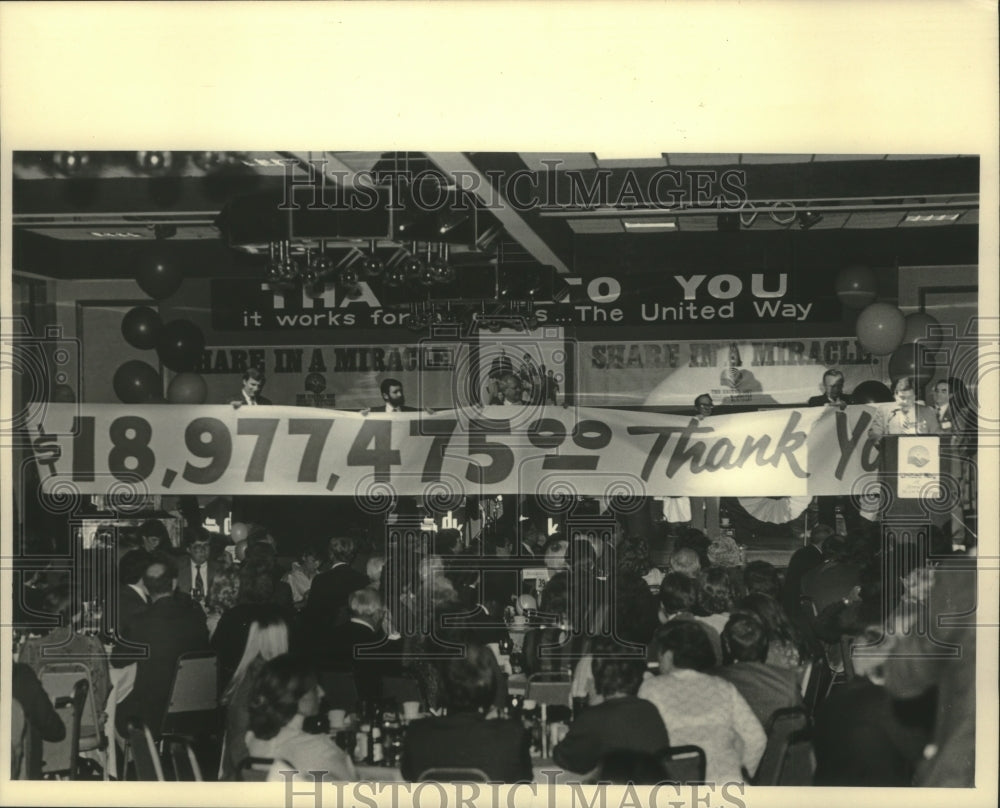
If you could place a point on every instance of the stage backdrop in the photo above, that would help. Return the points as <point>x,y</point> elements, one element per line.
<point>121,451</point>
<point>752,373</point>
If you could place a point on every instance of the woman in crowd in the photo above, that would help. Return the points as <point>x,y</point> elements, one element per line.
<point>65,643</point>
<point>714,599</point>
<point>701,709</point>
<point>786,647</point>
<point>284,693</point>
<point>222,596</point>
<point>465,738</point>
<point>267,640</point>
<point>618,719</point>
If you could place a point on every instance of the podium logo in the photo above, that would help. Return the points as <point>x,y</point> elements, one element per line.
<point>918,456</point>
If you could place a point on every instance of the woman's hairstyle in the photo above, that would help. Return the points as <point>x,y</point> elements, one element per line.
<point>555,595</point>
<point>632,555</point>
<point>688,641</point>
<point>777,626</point>
<point>613,671</point>
<point>268,638</point>
<point>258,573</point>
<point>744,639</point>
<point>761,576</point>
<point>374,567</point>
<point>715,592</point>
<point>693,539</point>
<point>470,682</point>
<point>224,591</point>
<point>275,694</point>
<point>677,593</point>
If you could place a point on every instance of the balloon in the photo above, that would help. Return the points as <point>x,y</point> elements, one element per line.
<point>871,392</point>
<point>187,388</point>
<point>908,360</point>
<point>239,532</point>
<point>856,286</point>
<point>140,327</point>
<point>156,276</point>
<point>880,328</point>
<point>136,382</point>
<point>918,325</point>
<point>180,345</point>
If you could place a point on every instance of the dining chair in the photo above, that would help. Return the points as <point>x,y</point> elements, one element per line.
<point>143,752</point>
<point>58,680</point>
<point>193,705</point>
<point>685,763</point>
<point>779,727</point>
<point>60,758</point>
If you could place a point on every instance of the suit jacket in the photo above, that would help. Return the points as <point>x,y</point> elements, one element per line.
<point>829,582</point>
<point>327,603</point>
<point>262,401</point>
<point>342,653</point>
<point>129,606</point>
<point>499,747</point>
<point>171,626</point>
<point>185,583</point>
<point>802,561</point>
<point>821,400</point>
<point>765,688</point>
<point>627,722</point>
<point>381,408</point>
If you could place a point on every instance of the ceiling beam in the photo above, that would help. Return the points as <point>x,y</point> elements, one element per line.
<point>507,215</point>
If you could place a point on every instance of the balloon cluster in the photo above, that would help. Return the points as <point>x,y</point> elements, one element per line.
<point>178,344</point>
<point>883,330</point>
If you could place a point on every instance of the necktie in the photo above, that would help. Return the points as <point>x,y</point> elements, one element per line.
<point>199,583</point>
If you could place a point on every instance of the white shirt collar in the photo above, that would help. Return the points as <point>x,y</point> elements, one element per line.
<point>390,408</point>
<point>140,590</point>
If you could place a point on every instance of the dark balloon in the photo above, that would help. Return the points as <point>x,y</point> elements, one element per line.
<point>141,327</point>
<point>871,392</point>
<point>156,275</point>
<point>180,345</point>
<point>187,388</point>
<point>136,382</point>
<point>909,360</point>
<point>856,286</point>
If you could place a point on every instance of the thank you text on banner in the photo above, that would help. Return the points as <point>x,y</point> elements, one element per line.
<point>551,451</point>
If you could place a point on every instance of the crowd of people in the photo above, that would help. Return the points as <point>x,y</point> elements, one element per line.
<point>702,650</point>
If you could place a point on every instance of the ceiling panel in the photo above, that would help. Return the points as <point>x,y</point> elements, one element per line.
<point>874,221</point>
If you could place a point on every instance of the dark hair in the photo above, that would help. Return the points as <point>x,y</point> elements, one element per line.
<point>761,576</point>
<point>275,693</point>
<point>693,539</point>
<point>132,565</point>
<point>744,639</point>
<point>777,626</point>
<point>632,555</point>
<point>616,673</point>
<point>445,541</point>
<point>689,643</point>
<point>162,583</point>
<point>57,600</point>
<point>820,533</point>
<point>834,372</point>
<point>470,681</point>
<point>677,593</point>
<point>835,548</point>
<point>555,595</point>
<point>387,383</point>
<point>256,374</point>
<point>631,767</point>
<point>341,548</point>
<point>258,573</point>
<point>904,383</point>
<point>714,592</point>
<point>704,395</point>
<point>195,534</point>
<point>155,528</point>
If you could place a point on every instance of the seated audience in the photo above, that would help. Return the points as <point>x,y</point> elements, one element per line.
<point>326,605</point>
<point>714,597</point>
<point>171,626</point>
<point>284,693</point>
<point>766,688</point>
<point>66,644</point>
<point>786,647</point>
<point>760,576</point>
<point>836,578</point>
<point>686,562</point>
<point>300,577</point>
<point>132,595</point>
<point>222,596</point>
<point>802,561</point>
<point>465,738</point>
<point>619,719</point>
<point>678,593</point>
<point>700,709</point>
<point>267,640</point>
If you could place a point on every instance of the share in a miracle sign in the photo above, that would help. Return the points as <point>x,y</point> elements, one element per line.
<point>159,449</point>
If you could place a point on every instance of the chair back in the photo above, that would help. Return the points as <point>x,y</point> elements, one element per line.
<point>143,751</point>
<point>18,734</point>
<point>549,688</point>
<point>339,689</point>
<point>256,769</point>
<point>193,706</point>
<point>780,726</point>
<point>59,678</point>
<point>686,764</point>
<point>444,774</point>
<point>59,758</point>
<point>401,689</point>
<point>818,683</point>
<point>798,761</point>
<point>182,759</point>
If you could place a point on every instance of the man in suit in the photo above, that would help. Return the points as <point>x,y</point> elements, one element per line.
<point>833,391</point>
<point>393,396</point>
<point>250,394</point>
<point>766,688</point>
<point>171,626</point>
<point>327,602</point>
<point>195,572</point>
<point>802,561</point>
<point>132,600</point>
<point>364,628</point>
<point>833,396</point>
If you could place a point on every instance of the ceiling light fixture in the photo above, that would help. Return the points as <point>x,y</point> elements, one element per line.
<point>808,218</point>
<point>641,224</point>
